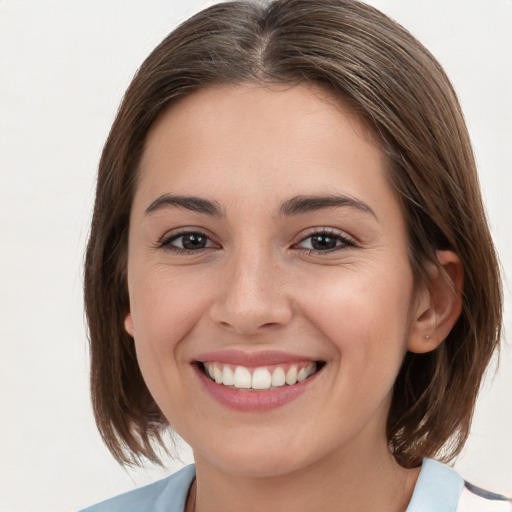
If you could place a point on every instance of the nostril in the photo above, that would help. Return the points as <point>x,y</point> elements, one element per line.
<point>269,325</point>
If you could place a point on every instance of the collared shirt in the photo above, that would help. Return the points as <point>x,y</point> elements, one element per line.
<point>439,489</point>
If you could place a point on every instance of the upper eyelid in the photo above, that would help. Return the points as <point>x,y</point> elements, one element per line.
<point>166,240</point>
<point>328,231</point>
<point>346,243</point>
<point>307,233</point>
<point>177,232</point>
<point>343,242</point>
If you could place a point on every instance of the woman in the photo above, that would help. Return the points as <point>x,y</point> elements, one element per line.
<point>289,264</point>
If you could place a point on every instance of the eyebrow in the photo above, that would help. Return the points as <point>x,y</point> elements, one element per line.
<point>195,204</point>
<point>305,204</point>
<point>297,205</point>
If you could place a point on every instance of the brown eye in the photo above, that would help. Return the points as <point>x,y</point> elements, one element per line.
<point>325,241</point>
<point>192,241</point>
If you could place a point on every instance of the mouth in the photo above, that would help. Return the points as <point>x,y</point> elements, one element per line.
<point>261,378</point>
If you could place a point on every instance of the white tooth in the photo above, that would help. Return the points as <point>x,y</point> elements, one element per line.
<point>261,379</point>
<point>291,376</point>
<point>302,375</point>
<point>242,378</point>
<point>228,377</point>
<point>217,374</point>
<point>305,372</point>
<point>278,377</point>
<point>209,369</point>
<point>310,369</point>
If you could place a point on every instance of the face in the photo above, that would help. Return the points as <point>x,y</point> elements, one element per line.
<point>271,295</point>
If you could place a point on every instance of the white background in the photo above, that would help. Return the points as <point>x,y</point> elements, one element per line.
<point>64,65</point>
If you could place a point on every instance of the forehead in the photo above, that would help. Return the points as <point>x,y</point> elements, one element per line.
<point>233,129</point>
<point>287,103</point>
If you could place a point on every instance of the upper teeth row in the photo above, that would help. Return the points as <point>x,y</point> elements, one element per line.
<point>261,378</point>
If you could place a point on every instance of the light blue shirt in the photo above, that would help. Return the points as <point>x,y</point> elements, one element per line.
<point>167,495</point>
<point>438,489</point>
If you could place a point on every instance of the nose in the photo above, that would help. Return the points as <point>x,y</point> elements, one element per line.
<point>253,294</point>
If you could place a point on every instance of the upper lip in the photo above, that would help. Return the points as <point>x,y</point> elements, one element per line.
<point>251,359</point>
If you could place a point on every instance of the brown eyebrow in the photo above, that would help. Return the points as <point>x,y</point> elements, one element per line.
<point>304,204</point>
<point>295,206</point>
<point>195,204</point>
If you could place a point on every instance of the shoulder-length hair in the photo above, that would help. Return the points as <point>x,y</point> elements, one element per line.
<point>396,86</point>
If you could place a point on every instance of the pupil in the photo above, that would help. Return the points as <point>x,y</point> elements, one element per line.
<point>193,241</point>
<point>323,242</point>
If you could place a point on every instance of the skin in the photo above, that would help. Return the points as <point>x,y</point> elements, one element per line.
<point>258,285</point>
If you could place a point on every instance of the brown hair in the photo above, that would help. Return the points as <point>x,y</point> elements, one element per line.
<point>392,82</point>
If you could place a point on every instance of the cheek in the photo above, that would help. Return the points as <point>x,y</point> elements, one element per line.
<point>365,315</point>
<point>164,311</point>
<point>164,305</point>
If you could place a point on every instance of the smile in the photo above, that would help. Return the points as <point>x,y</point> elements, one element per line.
<point>260,378</point>
<point>258,381</point>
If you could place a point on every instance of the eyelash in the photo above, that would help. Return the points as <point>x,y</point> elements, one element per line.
<point>166,242</point>
<point>341,241</point>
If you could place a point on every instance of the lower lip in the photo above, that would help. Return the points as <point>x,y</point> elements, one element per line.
<point>253,401</point>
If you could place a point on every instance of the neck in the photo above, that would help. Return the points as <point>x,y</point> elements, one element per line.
<point>370,480</point>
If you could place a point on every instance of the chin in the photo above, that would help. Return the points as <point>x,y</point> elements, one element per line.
<point>262,457</point>
<point>257,464</point>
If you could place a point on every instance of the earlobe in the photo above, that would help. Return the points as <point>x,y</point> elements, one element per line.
<point>128,324</point>
<point>439,305</point>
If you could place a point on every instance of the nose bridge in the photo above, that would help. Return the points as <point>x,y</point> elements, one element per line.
<point>254,274</point>
<point>252,294</point>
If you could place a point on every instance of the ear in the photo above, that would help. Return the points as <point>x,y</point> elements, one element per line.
<point>438,305</point>
<point>128,324</point>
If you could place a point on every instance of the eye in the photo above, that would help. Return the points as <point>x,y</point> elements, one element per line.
<point>325,241</point>
<point>187,242</point>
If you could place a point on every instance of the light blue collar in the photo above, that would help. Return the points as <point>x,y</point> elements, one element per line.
<point>438,489</point>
